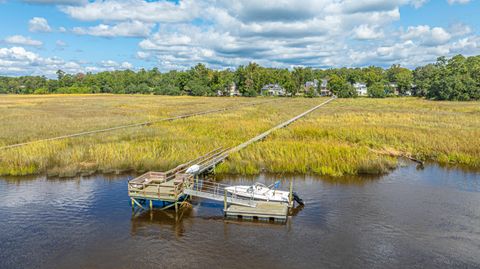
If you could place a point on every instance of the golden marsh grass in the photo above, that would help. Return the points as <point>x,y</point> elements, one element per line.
<point>346,137</point>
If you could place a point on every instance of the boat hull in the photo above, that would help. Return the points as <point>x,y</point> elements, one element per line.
<point>259,193</point>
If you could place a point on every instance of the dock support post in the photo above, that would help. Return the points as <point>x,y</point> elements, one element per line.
<point>133,204</point>
<point>225,202</point>
<point>290,195</point>
<point>196,183</point>
<point>151,205</point>
<point>176,206</point>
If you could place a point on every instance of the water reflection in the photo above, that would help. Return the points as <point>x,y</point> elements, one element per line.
<point>145,222</point>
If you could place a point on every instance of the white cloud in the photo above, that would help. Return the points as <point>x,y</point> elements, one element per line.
<point>426,35</point>
<point>418,3</point>
<point>365,32</point>
<point>39,24</point>
<point>136,10</point>
<point>22,40</point>
<point>125,29</point>
<point>56,2</point>
<point>451,2</point>
<point>113,65</point>
<point>19,61</point>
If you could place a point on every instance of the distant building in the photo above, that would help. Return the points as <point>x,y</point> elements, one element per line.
<point>393,88</point>
<point>230,90</point>
<point>273,90</point>
<point>361,88</point>
<point>311,85</point>
<point>233,90</point>
<point>324,91</point>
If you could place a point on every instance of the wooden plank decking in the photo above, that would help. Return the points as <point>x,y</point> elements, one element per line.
<point>263,210</point>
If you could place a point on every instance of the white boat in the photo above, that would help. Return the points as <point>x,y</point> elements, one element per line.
<point>259,191</point>
<point>193,169</point>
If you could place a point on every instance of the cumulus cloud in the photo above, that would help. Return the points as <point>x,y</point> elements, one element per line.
<point>19,61</point>
<point>113,65</point>
<point>22,40</point>
<point>39,24</point>
<point>125,29</point>
<point>426,35</point>
<point>365,32</point>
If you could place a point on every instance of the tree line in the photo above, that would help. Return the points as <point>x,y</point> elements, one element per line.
<point>456,78</point>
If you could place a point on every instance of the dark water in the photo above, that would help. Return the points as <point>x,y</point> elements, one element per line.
<point>408,219</point>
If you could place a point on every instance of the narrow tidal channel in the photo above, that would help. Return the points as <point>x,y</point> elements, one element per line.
<point>411,218</point>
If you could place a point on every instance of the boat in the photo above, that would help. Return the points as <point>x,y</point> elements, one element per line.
<point>193,169</point>
<point>259,191</point>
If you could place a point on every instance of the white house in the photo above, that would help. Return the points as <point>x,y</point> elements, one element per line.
<point>324,91</point>
<point>361,88</point>
<point>233,91</point>
<point>230,90</point>
<point>273,90</point>
<point>312,85</point>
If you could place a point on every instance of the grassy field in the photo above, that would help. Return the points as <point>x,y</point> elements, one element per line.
<point>348,136</point>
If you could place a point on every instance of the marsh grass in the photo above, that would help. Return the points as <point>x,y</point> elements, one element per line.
<point>346,137</point>
<point>361,136</point>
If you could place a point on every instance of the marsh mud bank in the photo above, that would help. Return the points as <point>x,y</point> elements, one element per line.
<point>416,218</point>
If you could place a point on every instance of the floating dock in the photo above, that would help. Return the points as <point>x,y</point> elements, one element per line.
<point>263,211</point>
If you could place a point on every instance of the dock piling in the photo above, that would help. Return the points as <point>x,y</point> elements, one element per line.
<point>225,201</point>
<point>290,195</point>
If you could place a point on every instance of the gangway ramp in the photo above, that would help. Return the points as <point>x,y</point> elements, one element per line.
<point>216,191</point>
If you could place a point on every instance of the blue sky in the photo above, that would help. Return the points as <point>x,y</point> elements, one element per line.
<point>37,37</point>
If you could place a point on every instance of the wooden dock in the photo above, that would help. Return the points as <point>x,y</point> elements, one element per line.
<point>172,187</point>
<point>263,211</point>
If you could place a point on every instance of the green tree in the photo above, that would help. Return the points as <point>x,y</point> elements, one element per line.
<point>376,90</point>
<point>341,88</point>
<point>402,77</point>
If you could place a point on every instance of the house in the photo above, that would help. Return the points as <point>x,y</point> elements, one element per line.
<point>273,90</point>
<point>230,90</point>
<point>393,88</point>
<point>311,85</point>
<point>361,88</point>
<point>324,91</point>
<point>233,90</point>
<point>320,87</point>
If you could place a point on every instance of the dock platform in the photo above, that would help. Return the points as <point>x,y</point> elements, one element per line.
<point>263,211</point>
